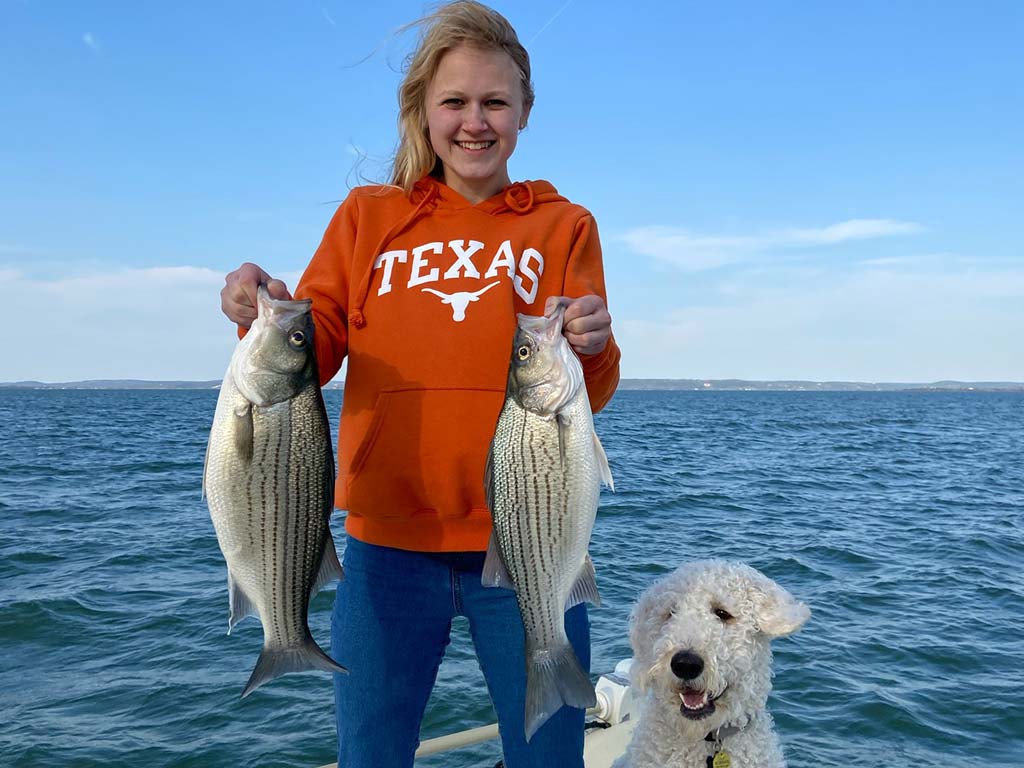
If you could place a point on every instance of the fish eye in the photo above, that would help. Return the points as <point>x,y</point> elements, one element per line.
<point>523,352</point>
<point>722,614</point>
<point>297,338</point>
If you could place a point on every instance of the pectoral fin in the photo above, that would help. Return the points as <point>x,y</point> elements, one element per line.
<point>243,431</point>
<point>563,438</point>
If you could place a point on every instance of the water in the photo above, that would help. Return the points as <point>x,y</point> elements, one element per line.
<point>898,517</point>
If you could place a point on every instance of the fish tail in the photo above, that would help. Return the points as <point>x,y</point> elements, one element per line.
<point>274,662</point>
<point>554,678</point>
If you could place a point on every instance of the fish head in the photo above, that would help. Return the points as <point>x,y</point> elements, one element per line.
<point>276,359</point>
<point>545,373</point>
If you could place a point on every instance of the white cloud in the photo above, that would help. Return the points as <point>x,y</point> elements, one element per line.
<point>855,229</point>
<point>695,252</point>
<point>878,324</point>
<point>158,323</point>
<point>155,323</point>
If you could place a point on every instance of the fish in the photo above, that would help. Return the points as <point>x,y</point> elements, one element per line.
<point>268,481</point>
<point>542,480</point>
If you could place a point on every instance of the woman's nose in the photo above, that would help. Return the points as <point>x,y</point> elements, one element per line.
<point>473,119</point>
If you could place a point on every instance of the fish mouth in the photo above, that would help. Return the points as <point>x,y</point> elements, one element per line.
<point>697,703</point>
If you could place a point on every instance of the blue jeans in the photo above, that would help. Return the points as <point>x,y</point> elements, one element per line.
<point>391,623</point>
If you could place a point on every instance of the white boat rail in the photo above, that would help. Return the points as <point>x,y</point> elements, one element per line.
<point>614,709</point>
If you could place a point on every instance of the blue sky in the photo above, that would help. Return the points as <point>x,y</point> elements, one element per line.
<point>784,190</point>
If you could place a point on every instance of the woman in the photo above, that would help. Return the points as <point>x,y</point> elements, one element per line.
<point>417,283</point>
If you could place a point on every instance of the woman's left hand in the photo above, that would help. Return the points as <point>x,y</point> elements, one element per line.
<point>587,326</point>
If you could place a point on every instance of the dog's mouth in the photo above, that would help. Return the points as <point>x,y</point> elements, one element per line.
<point>697,703</point>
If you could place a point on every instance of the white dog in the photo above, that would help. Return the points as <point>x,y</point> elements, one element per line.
<point>702,668</point>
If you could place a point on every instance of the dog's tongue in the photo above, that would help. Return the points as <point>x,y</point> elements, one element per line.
<point>694,699</point>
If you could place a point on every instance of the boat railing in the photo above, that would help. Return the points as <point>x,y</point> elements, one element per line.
<point>614,706</point>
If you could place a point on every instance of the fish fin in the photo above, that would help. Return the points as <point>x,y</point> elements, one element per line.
<point>274,662</point>
<point>602,463</point>
<point>555,678</point>
<point>489,478</point>
<point>330,567</point>
<point>239,606</point>
<point>585,588</point>
<point>563,438</point>
<point>495,574</point>
<point>206,467</point>
<point>243,432</point>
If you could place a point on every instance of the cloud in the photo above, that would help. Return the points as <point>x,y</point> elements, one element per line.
<point>90,40</point>
<point>695,252</point>
<point>328,17</point>
<point>157,323</point>
<point>892,322</point>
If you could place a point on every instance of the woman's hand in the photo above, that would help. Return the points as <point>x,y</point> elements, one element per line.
<point>586,325</point>
<point>238,297</point>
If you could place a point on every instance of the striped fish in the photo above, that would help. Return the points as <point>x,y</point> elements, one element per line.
<point>543,477</point>
<point>268,481</point>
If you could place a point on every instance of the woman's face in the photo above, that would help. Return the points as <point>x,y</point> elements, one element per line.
<point>474,114</point>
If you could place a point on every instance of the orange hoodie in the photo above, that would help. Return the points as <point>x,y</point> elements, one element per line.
<point>421,294</point>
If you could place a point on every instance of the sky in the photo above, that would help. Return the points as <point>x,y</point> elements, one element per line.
<point>819,191</point>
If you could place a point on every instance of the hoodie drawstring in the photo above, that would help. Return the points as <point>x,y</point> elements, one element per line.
<point>356,316</point>
<point>519,197</point>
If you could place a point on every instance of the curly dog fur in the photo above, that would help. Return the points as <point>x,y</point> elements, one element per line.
<point>702,667</point>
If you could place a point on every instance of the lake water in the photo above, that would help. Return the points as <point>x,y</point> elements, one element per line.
<point>898,517</point>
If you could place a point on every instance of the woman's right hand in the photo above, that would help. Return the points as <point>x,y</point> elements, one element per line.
<point>238,297</point>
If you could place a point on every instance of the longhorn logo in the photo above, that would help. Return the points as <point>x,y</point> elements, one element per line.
<point>459,301</point>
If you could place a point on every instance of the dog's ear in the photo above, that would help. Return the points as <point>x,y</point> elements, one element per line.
<point>645,622</point>
<point>777,612</point>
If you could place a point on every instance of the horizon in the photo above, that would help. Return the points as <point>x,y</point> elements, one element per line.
<point>338,382</point>
<point>824,193</point>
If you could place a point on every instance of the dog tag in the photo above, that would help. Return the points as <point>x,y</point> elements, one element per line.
<point>721,760</point>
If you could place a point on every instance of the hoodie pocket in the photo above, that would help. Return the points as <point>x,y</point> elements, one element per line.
<point>423,452</point>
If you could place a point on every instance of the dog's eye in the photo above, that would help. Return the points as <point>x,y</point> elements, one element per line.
<point>667,614</point>
<point>722,614</point>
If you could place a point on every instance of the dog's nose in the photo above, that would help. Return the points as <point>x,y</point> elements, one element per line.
<point>687,665</point>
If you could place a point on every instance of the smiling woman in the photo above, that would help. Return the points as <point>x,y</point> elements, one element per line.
<point>417,284</point>
<point>458,61</point>
<point>475,110</point>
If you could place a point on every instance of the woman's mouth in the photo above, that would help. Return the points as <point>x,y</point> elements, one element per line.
<point>475,146</point>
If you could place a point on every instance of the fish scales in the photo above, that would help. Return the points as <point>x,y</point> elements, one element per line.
<point>269,480</point>
<point>543,480</point>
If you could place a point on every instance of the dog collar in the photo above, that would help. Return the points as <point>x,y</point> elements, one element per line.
<point>724,732</point>
<point>719,758</point>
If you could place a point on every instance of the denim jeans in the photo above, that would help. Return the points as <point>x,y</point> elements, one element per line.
<point>391,623</point>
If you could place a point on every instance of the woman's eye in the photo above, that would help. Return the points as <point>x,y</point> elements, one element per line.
<point>452,102</point>
<point>496,103</point>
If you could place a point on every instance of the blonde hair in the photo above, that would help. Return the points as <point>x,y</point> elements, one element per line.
<point>463,22</point>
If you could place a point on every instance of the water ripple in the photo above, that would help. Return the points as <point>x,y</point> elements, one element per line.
<point>898,517</point>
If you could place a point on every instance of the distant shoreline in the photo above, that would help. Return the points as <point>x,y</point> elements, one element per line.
<point>734,385</point>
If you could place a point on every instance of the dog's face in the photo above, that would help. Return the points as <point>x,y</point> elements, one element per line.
<point>701,642</point>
